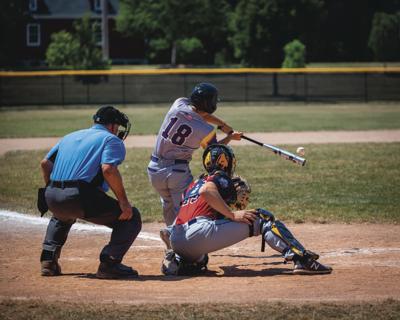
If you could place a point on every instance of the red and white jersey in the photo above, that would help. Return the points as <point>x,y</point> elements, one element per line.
<point>182,132</point>
<point>194,204</point>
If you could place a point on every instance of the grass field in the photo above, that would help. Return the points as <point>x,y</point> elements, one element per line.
<point>387,309</point>
<point>341,183</point>
<point>249,118</point>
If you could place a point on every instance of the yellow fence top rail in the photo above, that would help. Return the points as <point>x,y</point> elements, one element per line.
<point>198,71</point>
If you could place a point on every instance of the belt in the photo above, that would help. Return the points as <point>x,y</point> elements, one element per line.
<point>64,184</point>
<point>177,161</point>
<point>190,222</point>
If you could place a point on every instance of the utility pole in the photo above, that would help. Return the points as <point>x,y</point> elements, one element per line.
<point>104,29</point>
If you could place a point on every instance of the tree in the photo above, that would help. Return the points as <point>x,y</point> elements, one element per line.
<point>63,50</point>
<point>260,28</point>
<point>384,39</point>
<point>195,28</point>
<point>295,53</point>
<point>78,50</point>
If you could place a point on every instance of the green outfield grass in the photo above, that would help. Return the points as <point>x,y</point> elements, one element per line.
<point>40,310</point>
<point>248,118</point>
<point>340,183</point>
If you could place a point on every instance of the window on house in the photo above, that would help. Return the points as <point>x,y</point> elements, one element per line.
<point>32,5</point>
<point>33,35</point>
<point>97,5</point>
<point>97,33</point>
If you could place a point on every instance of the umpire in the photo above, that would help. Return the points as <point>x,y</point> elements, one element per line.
<point>78,171</point>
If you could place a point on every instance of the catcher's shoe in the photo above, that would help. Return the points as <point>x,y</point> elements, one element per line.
<point>164,235</point>
<point>310,266</point>
<point>108,270</point>
<point>170,264</point>
<point>50,268</point>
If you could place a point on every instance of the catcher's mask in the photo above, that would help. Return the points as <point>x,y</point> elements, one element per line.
<point>219,157</point>
<point>110,115</point>
<point>204,97</point>
<point>243,190</point>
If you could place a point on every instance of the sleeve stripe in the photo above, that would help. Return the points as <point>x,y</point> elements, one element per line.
<point>212,135</point>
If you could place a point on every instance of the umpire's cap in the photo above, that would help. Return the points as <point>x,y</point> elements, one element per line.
<point>205,97</point>
<point>111,115</point>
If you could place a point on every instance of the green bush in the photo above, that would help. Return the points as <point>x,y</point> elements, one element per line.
<point>384,39</point>
<point>63,50</point>
<point>77,50</point>
<point>190,50</point>
<point>295,53</point>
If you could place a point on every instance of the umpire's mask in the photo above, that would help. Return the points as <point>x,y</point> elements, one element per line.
<point>108,114</point>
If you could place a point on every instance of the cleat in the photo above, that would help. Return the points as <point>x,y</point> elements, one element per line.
<point>50,268</point>
<point>311,266</point>
<point>108,270</point>
<point>170,264</point>
<point>164,235</point>
<point>311,255</point>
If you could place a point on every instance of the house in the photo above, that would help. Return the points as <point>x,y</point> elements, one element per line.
<point>49,16</point>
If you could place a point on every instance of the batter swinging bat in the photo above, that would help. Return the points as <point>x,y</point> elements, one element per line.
<point>280,152</point>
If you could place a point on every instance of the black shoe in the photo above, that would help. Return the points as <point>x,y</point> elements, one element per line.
<point>108,270</point>
<point>50,268</point>
<point>310,266</point>
<point>170,265</point>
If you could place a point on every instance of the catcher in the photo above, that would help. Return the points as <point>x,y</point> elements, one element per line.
<point>206,221</point>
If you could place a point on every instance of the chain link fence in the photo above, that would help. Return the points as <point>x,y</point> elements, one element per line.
<point>241,85</point>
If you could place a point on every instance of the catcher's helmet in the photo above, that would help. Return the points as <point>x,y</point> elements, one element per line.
<point>108,114</point>
<point>204,97</point>
<point>219,157</point>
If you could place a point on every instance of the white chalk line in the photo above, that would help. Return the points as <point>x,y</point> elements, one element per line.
<point>80,227</point>
<point>360,251</point>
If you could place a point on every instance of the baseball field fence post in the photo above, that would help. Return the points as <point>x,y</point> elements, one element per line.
<point>62,91</point>
<point>246,87</point>
<point>123,89</point>
<point>275,84</point>
<point>1,91</point>
<point>305,87</point>
<point>87,93</point>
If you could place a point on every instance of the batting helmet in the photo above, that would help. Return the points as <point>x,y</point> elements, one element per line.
<point>108,114</point>
<point>219,157</point>
<point>204,97</point>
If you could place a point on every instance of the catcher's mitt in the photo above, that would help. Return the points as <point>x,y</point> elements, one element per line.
<point>243,190</point>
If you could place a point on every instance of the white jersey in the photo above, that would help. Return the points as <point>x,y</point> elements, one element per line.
<point>182,132</point>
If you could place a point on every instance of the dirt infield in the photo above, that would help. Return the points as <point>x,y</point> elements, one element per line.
<point>365,258</point>
<point>271,138</point>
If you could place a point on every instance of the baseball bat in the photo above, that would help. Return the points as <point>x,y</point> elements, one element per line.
<point>280,152</point>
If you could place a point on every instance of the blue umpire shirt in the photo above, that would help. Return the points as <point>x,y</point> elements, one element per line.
<point>80,154</point>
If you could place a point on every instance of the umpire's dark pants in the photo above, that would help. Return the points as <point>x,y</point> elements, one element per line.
<point>91,204</point>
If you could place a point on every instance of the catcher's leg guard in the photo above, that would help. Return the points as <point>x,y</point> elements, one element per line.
<point>280,238</point>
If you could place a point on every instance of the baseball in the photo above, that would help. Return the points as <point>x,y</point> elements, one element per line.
<point>300,151</point>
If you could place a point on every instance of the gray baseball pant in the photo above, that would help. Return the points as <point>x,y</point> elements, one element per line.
<point>170,180</point>
<point>202,235</point>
